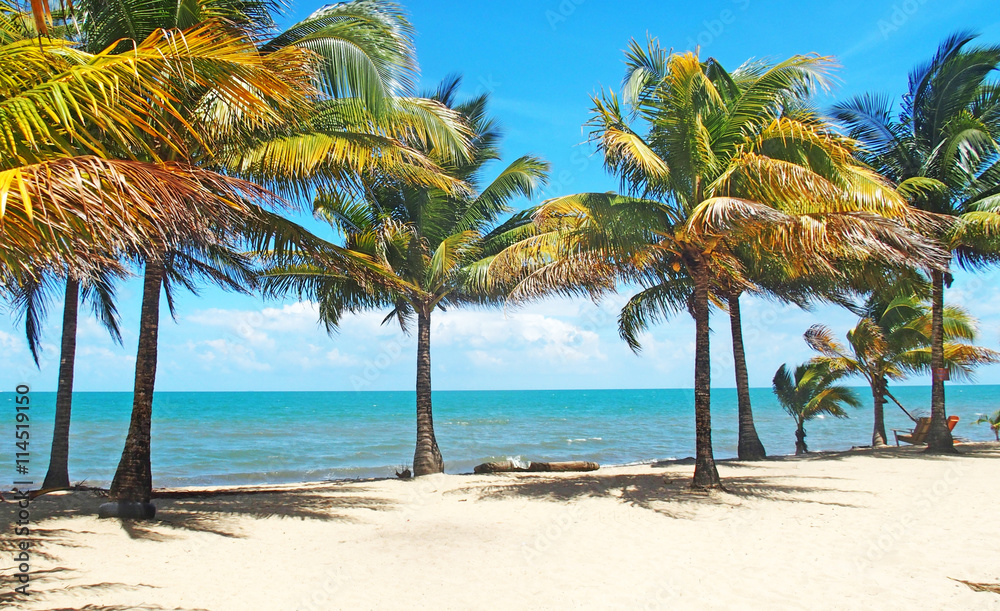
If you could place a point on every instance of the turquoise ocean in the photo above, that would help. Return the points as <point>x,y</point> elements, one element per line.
<point>217,438</point>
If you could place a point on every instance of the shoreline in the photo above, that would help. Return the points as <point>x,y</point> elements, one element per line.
<point>308,485</point>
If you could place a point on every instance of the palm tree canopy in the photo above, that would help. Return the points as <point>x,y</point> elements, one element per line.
<point>712,163</point>
<point>942,148</point>
<point>892,340</point>
<point>810,391</point>
<point>420,246</point>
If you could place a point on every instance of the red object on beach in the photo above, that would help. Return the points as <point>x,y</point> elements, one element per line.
<point>941,375</point>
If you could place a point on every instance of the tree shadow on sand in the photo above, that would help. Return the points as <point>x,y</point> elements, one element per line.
<point>177,511</point>
<point>989,450</point>
<point>670,494</point>
<point>667,494</point>
<point>45,581</point>
<point>209,511</point>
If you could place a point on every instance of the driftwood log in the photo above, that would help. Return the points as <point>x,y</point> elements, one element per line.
<point>535,467</point>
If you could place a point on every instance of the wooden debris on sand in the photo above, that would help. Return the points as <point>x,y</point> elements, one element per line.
<point>508,466</point>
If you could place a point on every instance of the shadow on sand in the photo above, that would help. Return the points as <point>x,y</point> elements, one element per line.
<point>670,493</point>
<point>177,511</point>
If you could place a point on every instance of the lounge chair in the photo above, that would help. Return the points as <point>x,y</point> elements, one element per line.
<point>919,432</point>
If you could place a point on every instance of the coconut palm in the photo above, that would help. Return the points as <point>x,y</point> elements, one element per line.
<point>74,126</point>
<point>892,341</point>
<point>423,244</point>
<point>344,64</point>
<point>811,393</point>
<point>943,151</point>
<point>713,161</point>
<point>992,420</point>
<point>30,301</point>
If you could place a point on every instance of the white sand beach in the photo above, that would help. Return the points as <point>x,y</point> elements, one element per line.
<point>889,530</point>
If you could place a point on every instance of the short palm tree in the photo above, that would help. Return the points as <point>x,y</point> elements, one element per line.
<point>715,161</point>
<point>423,247</point>
<point>992,420</point>
<point>811,392</point>
<point>892,341</point>
<point>943,151</point>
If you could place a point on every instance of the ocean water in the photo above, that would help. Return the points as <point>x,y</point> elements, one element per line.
<point>276,437</point>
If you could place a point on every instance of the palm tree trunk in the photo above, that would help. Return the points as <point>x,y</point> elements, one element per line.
<point>58,473</point>
<point>939,440</point>
<point>705,473</point>
<point>134,480</point>
<point>427,456</point>
<point>800,439</point>
<point>749,446</point>
<point>878,394</point>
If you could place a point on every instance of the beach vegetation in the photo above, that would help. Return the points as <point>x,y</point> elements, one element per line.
<point>426,248</point>
<point>993,420</point>
<point>810,392</point>
<point>711,162</point>
<point>893,341</point>
<point>942,151</point>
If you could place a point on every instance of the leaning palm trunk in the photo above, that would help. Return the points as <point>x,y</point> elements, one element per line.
<point>878,396</point>
<point>749,446</point>
<point>133,480</point>
<point>58,473</point>
<point>705,473</point>
<point>427,457</point>
<point>939,440</point>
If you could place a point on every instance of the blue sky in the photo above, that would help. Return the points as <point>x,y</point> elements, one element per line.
<point>541,61</point>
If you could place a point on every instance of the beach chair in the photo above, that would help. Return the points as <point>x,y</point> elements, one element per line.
<point>919,432</point>
<point>915,436</point>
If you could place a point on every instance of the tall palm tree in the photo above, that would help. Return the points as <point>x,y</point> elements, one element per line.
<point>943,150</point>
<point>712,161</point>
<point>30,300</point>
<point>809,394</point>
<point>426,247</point>
<point>892,341</point>
<point>357,54</point>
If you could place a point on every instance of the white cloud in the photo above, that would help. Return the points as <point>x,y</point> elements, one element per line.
<point>336,357</point>
<point>222,354</point>
<point>541,337</point>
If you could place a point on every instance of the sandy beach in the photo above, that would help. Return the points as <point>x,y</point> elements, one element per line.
<point>890,529</point>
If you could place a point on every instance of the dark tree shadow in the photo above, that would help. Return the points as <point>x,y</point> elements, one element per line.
<point>667,494</point>
<point>670,493</point>
<point>201,511</point>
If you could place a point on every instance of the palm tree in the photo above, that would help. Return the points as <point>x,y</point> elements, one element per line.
<point>30,303</point>
<point>943,151</point>
<point>993,421</point>
<point>357,53</point>
<point>811,393</point>
<point>74,124</point>
<point>727,161</point>
<point>892,341</point>
<point>426,246</point>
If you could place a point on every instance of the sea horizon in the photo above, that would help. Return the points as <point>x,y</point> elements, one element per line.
<point>208,438</point>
